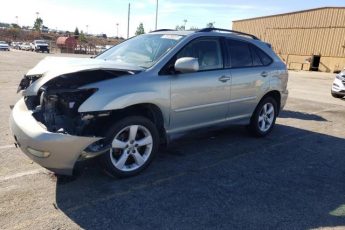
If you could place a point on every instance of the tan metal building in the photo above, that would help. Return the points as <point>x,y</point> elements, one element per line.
<point>299,36</point>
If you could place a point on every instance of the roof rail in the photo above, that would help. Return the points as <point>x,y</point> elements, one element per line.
<point>231,31</point>
<point>161,30</point>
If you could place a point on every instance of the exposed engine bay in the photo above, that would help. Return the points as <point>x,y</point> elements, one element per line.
<point>56,105</point>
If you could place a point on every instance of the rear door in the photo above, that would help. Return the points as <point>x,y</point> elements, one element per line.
<point>250,77</point>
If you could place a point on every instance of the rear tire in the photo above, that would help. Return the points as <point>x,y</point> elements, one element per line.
<point>264,117</point>
<point>134,142</point>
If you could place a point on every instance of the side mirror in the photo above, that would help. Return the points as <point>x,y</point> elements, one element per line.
<point>187,65</point>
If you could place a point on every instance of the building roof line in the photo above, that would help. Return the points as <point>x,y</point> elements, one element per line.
<point>288,13</point>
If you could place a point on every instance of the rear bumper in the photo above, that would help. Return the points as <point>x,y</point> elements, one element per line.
<point>284,96</point>
<point>59,151</point>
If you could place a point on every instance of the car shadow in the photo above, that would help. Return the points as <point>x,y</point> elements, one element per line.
<point>301,115</point>
<point>225,179</point>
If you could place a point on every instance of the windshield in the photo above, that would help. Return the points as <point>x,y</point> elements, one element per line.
<point>1,42</point>
<point>40,42</point>
<point>143,51</point>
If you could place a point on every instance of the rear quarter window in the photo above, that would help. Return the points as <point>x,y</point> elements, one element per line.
<point>265,59</point>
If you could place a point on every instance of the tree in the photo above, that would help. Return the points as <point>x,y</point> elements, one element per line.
<point>15,26</point>
<point>76,32</point>
<point>210,25</point>
<point>140,29</point>
<point>14,32</point>
<point>38,24</point>
<point>82,37</point>
<point>180,27</point>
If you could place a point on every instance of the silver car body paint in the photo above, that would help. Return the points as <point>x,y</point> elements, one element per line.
<point>187,101</point>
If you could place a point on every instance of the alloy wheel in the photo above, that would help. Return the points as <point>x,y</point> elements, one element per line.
<point>266,117</point>
<point>131,148</point>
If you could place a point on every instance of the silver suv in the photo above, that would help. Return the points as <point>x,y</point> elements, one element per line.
<point>126,102</point>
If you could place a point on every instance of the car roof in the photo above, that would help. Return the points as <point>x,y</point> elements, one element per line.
<point>173,32</point>
<point>209,31</point>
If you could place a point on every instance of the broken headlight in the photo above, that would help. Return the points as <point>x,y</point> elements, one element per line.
<point>27,81</point>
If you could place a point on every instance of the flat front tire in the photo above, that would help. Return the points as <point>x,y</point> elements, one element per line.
<point>134,142</point>
<point>264,117</point>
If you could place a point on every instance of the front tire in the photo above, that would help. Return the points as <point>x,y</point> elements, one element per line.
<point>264,117</point>
<point>134,142</point>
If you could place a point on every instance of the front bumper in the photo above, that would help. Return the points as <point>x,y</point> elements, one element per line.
<point>63,150</point>
<point>42,48</point>
<point>338,86</point>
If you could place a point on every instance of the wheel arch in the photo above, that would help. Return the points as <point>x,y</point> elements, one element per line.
<point>147,110</point>
<point>275,94</point>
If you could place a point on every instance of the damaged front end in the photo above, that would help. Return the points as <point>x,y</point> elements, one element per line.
<point>56,103</point>
<point>55,108</point>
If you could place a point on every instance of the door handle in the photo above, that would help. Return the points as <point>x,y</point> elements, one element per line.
<point>264,74</point>
<point>224,78</point>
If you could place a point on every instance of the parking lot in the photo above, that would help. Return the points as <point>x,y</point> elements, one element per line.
<point>221,179</point>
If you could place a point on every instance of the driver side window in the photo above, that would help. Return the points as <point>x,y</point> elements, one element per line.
<point>207,51</point>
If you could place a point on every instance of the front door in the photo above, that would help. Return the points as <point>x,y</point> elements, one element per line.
<point>200,98</point>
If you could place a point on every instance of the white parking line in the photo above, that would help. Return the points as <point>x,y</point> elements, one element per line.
<point>7,146</point>
<point>21,174</point>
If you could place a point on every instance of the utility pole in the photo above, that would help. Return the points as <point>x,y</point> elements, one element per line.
<point>129,13</point>
<point>17,20</point>
<point>37,13</point>
<point>117,30</point>
<point>87,29</point>
<point>156,15</point>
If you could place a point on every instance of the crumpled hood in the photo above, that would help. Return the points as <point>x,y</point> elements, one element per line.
<point>52,67</point>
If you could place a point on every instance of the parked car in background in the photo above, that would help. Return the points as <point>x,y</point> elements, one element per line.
<point>15,45</point>
<point>124,103</point>
<point>100,49</point>
<point>4,46</point>
<point>338,87</point>
<point>40,46</point>
<point>25,46</point>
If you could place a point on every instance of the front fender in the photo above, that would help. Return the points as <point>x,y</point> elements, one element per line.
<point>106,103</point>
<point>122,102</point>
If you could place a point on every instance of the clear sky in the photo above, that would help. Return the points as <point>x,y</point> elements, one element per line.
<point>101,16</point>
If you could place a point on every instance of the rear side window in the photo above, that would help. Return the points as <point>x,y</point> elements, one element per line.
<point>240,55</point>
<point>243,54</point>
